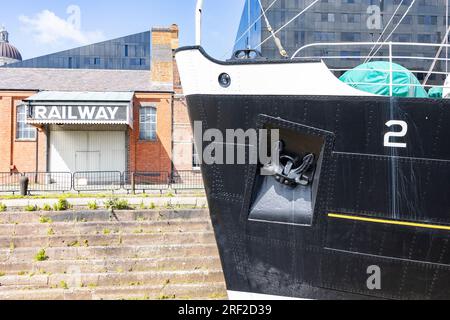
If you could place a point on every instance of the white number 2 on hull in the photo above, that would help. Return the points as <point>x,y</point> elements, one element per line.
<point>388,136</point>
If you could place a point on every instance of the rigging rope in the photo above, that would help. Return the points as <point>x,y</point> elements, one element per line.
<point>277,40</point>
<point>286,24</point>
<point>447,26</point>
<point>384,31</point>
<point>395,29</point>
<point>433,65</point>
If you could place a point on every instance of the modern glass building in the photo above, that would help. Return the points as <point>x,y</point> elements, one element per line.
<point>126,53</point>
<point>423,21</point>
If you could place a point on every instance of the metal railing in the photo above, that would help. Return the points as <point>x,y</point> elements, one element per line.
<point>146,181</point>
<point>49,182</point>
<point>98,181</point>
<point>390,57</point>
<point>9,182</point>
<point>191,180</point>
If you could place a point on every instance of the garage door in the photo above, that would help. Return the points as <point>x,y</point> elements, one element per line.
<point>75,151</point>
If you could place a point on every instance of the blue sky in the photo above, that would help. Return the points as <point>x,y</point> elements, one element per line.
<point>39,27</point>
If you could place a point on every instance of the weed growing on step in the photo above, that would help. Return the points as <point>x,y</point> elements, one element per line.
<point>31,208</point>
<point>44,219</point>
<point>74,244</point>
<point>120,270</point>
<point>63,285</point>
<point>3,207</point>
<point>41,256</point>
<point>117,204</point>
<point>142,206</point>
<point>22,273</point>
<point>106,232</point>
<point>42,272</point>
<point>2,274</point>
<point>93,205</point>
<point>62,205</point>
<point>152,206</point>
<point>47,207</point>
<point>51,232</point>
<point>169,206</point>
<point>217,296</point>
<point>166,297</point>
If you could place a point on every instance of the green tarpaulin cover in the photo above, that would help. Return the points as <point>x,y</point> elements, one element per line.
<point>374,77</point>
<point>436,93</point>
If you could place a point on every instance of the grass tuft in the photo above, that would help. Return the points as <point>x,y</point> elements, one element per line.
<point>41,256</point>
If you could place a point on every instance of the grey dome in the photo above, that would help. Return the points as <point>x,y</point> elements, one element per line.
<point>9,51</point>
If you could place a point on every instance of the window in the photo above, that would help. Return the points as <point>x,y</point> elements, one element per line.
<point>402,37</point>
<point>428,20</point>
<point>351,18</point>
<point>23,130</point>
<point>326,17</point>
<point>351,36</point>
<point>147,124</point>
<point>195,158</point>
<point>324,36</point>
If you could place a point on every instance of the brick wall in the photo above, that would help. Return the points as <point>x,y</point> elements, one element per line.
<point>152,155</point>
<point>5,133</point>
<point>164,42</point>
<point>18,155</point>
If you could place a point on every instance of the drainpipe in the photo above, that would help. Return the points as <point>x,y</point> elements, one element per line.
<point>37,150</point>
<point>13,135</point>
<point>172,107</point>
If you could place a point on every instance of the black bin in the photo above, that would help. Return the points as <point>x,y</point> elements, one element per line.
<point>24,182</point>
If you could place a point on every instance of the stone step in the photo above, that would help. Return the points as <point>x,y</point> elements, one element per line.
<point>106,240</point>
<point>170,291</point>
<point>177,202</point>
<point>103,215</point>
<point>111,265</point>
<point>79,280</point>
<point>105,227</point>
<point>119,252</point>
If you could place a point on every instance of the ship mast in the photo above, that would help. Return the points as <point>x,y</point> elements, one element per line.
<point>198,23</point>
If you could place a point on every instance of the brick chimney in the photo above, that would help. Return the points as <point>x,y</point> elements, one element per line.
<point>164,42</point>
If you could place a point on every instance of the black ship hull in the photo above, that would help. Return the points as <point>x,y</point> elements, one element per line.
<point>368,218</point>
<point>371,206</point>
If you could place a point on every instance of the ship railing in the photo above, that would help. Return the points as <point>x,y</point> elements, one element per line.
<point>387,47</point>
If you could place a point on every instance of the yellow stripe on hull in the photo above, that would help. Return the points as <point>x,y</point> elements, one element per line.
<point>390,222</point>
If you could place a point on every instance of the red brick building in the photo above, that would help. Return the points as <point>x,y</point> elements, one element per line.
<point>79,120</point>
